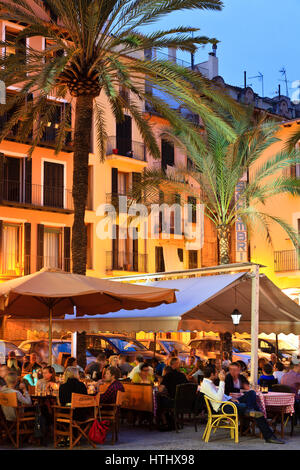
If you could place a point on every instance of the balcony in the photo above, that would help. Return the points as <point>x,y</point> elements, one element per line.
<point>48,139</point>
<point>53,262</point>
<point>286,261</point>
<point>126,261</point>
<point>136,149</point>
<point>34,195</point>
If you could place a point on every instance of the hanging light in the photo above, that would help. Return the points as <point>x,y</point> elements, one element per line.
<point>236,316</point>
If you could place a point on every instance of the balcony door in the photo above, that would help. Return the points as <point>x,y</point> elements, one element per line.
<point>52,248</point>
<point>11,179</point>
<point>53,184</point>
<point>124,136</point>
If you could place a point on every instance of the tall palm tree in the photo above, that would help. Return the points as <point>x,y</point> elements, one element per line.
<point>91,47</point>
<point>219,165</point>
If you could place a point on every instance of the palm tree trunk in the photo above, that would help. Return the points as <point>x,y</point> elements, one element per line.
<point>223,232</point>
<point>82,136</point>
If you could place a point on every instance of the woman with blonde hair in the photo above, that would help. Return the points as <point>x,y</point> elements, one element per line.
<point>71,385</point>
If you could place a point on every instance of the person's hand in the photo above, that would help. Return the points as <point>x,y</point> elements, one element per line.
<point>22,387</point>
<point>222,375</point>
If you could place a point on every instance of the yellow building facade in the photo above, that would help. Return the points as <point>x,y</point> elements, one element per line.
<point>280,257</point>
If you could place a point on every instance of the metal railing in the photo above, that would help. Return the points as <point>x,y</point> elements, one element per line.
<point>128,148</point>
<point>36,195</point>
<point>288,260</point>
<point>126,261</point>
<point>52,262</point>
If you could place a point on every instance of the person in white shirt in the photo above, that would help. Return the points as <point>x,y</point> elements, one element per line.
<point>278,371</point>
<point>246,404</point>
<point>23,398</point>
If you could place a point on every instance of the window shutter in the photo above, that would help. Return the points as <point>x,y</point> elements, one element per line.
<point>67,249</point>
<point>40,247</point>
<point>115,248</point>
<point>27,248</point>
<point>136,183</point>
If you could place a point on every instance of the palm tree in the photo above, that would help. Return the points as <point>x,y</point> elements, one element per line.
<point>91,44</point>
<point>219,165</point>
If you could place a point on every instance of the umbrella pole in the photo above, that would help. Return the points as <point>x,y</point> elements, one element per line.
<point>50,335</point>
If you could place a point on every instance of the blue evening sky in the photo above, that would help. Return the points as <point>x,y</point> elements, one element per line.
<point>255,35</point>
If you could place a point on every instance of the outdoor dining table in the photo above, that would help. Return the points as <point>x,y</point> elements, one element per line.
<point>273,401</point>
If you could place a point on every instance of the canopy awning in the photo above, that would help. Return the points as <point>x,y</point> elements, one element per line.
<point>203,304</point>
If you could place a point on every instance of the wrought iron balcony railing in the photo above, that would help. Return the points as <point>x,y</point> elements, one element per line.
<point>36,195</point>
<point>288,260</point>
<point>126,148</point>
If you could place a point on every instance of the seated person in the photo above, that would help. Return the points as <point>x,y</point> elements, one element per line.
<point>234,380</point>
<point>158,366</point>
<point>112,376</point>
<point>95,369</point>
<point>166,393</point>
<point>138,361</point>
<point>226,361</point>
<point>124,365</point>
<point>144,375</point>
<point>4,370</point>
<point>279,371</point>
<point>13,364</point>
<point>196,374</point>
<point>48,380</point>
<point>31,364</point>
<point>71,385</point>
<point>246,404</point>
<point>34,374</point>
<point>23,396</point>
<point>267,379</point>
<point>292,377</point>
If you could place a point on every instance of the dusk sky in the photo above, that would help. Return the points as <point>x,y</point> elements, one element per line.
<point>255,35</point>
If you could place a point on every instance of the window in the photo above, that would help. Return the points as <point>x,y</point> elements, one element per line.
<point>180,254</point>
<point>11,247</point>
<point>167,154</point>
<point>159,259</point>
<point>193,259</point>
<point>192,213</point>
<point>124,136</point>
<point>52,248</point>
<point>53,184</point>
<point>11,36</point>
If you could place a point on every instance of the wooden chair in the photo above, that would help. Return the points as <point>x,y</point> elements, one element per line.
<point>65,424</point>
<point>221,420</point>
<point>24,422</point>
<point>184,403</point>
<point>138,400</point>
<point>111,412</point>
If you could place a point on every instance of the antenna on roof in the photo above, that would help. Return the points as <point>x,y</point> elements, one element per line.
<point>283,73</point>
<point>261,78</point>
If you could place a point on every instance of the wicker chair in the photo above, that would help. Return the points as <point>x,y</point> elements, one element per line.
<point>221,420</point>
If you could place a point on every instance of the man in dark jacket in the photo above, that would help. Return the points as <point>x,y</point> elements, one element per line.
<point>234,380</point>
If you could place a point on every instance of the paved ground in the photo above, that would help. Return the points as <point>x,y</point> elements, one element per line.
<point>139,438</point>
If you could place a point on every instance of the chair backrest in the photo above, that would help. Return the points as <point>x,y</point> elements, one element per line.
<point>83,401</point>
<point>9,399</point>
<point>282,388</point>
<point>138,397</point>
<point>120,398</point>
<point>185,396</point>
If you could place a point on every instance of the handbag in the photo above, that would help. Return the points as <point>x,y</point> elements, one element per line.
<point>98,431</point>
